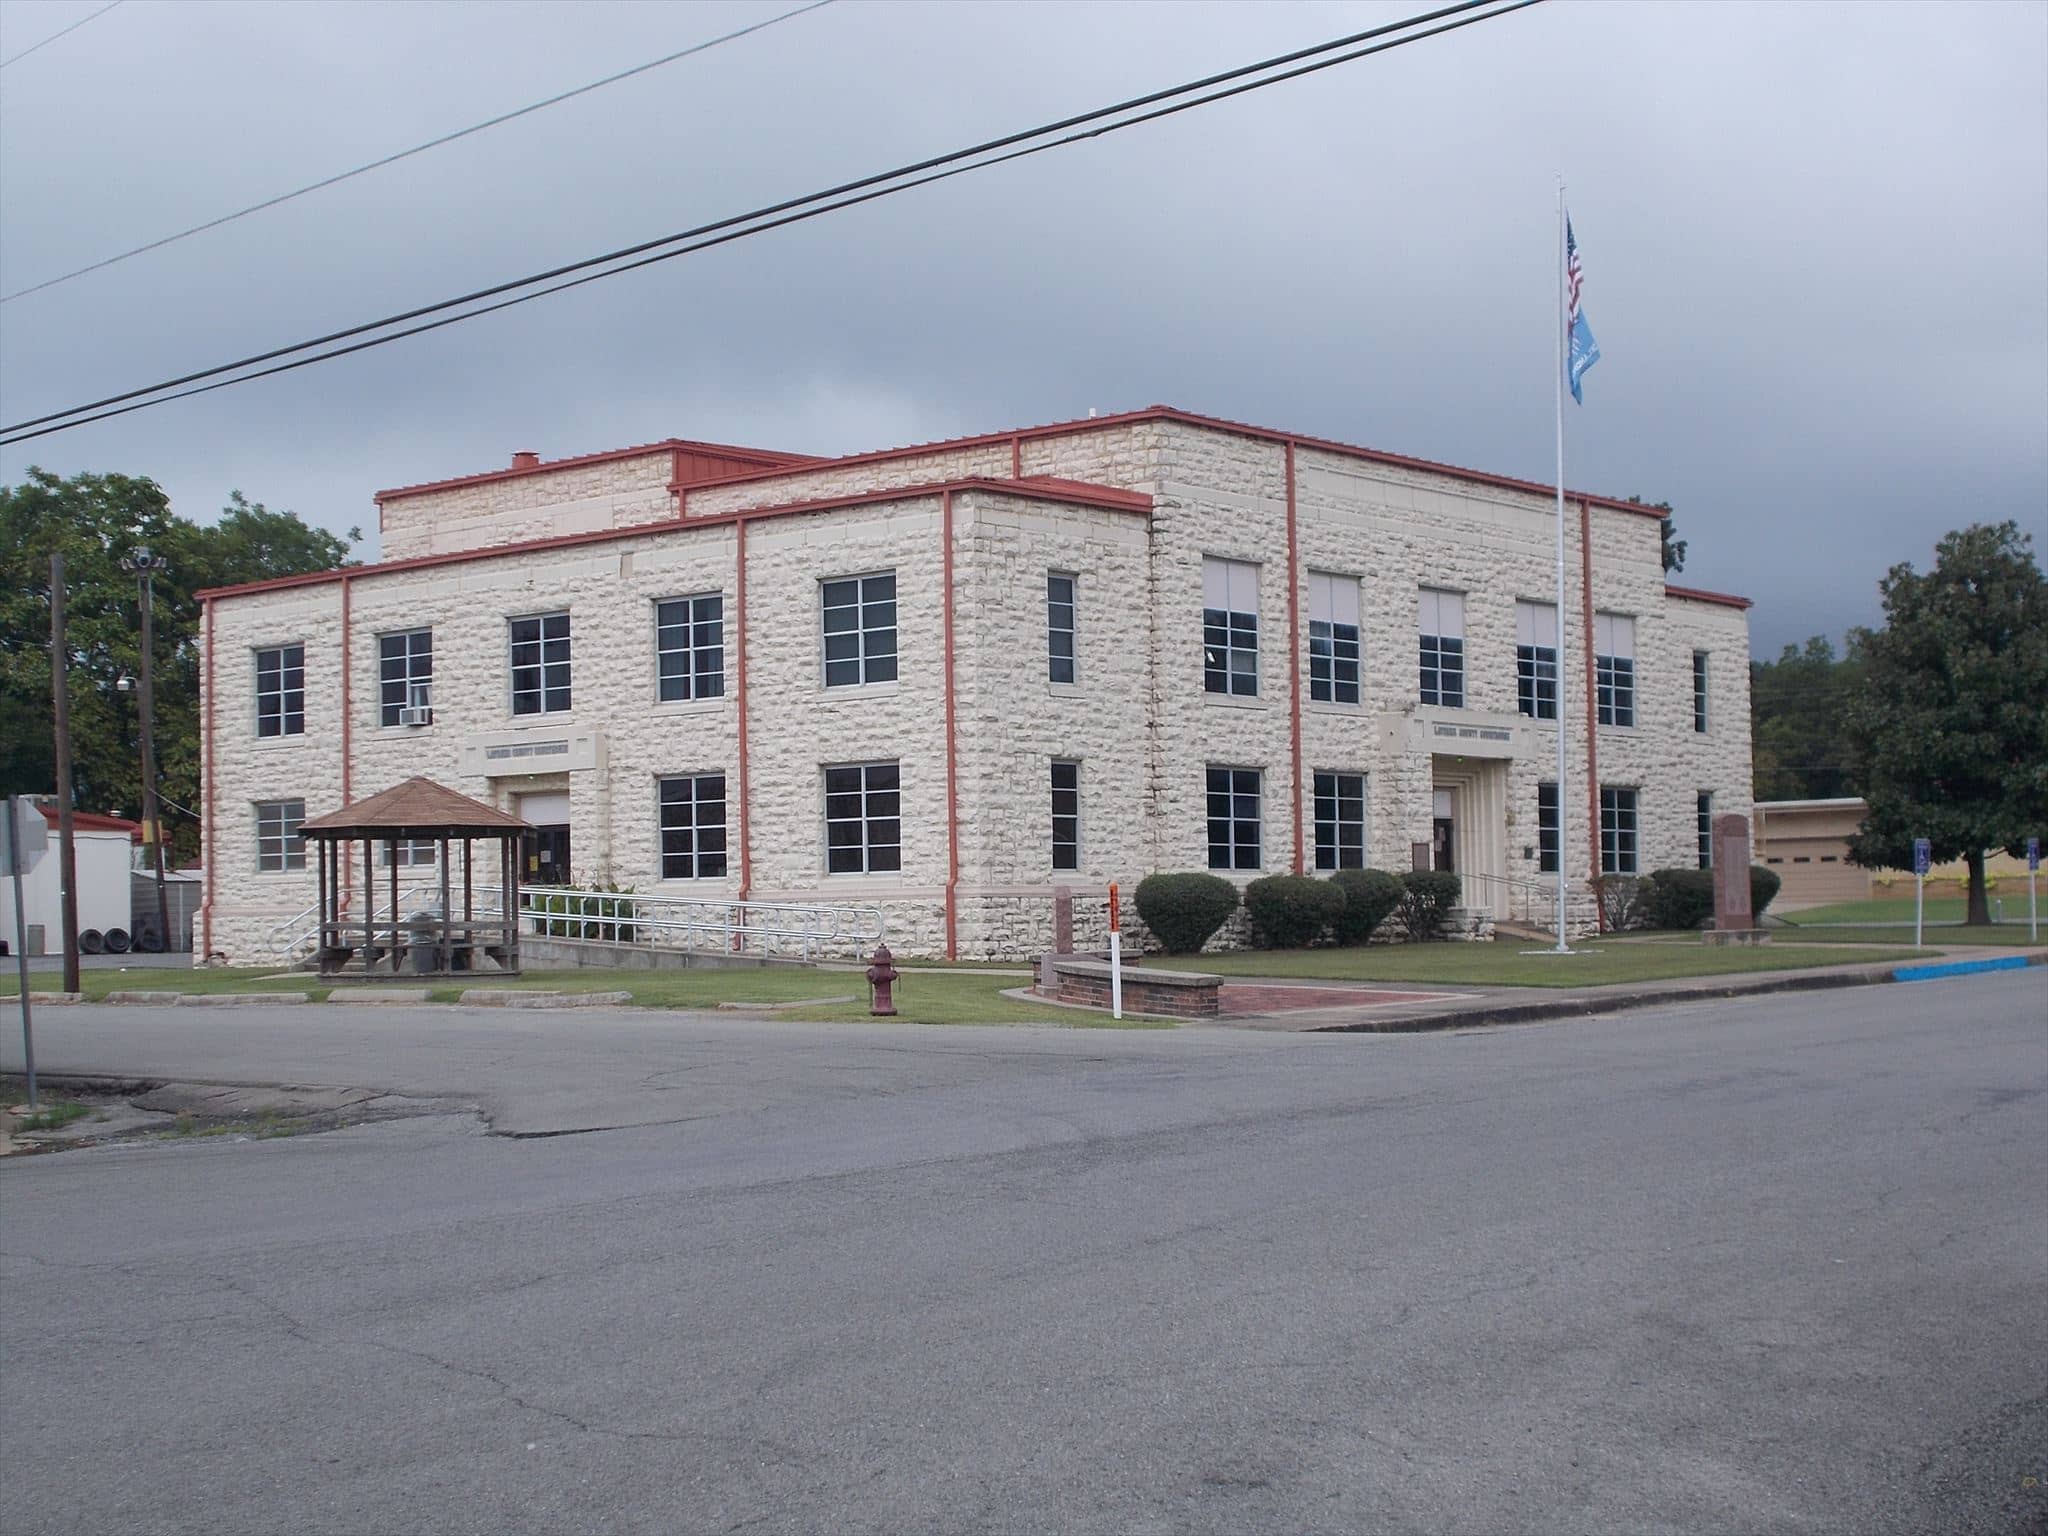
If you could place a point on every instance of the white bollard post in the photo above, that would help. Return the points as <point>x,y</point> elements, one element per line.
<point>1116,956</point>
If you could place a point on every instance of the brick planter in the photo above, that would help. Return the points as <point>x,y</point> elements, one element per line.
<point>1085,980</point>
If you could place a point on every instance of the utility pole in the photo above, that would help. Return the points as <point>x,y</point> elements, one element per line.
<point>67,860</point>
<point>146,565</point>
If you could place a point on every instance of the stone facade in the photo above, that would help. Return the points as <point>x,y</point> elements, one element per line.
<point>1129,508</point>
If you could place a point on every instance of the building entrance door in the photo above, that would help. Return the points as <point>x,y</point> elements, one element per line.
<point>1443,840</point>
<point>545,850</point>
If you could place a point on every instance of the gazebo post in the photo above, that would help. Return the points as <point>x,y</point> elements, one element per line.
<point>512,846</point>
<point>369,903</point>
<point>391,858</point>
<point>447,955</point>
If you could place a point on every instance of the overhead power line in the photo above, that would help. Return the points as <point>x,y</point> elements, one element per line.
<point>405,154</point>
<point>1014,146</point>
<point>37,47</point>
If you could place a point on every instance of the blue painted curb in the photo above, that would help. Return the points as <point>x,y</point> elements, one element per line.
<point>1959,968</point>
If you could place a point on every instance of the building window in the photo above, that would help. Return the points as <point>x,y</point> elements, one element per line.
<point>1066,815</point>
<point>1230,627</point>
<point>1059,627</point>
<point>540,664</point>
<point>408,853</point>
<point>1617,831</point>
<point>1706,824</point>
<point>1536,660</point>
<point>405,674</point>
<point>860,630</point>
<point>1332,638</point>
<point>1340,820</point>
<point>1614,667</point>
<point>689,648</point>
<point>1442,627</point>
<point>1234,818</point>
<point>1699,694</point>
<point>1548,838</point>
<point>281,693</point>
<point>863,819</point>
<point>278,844</point>
<point>692,826</point>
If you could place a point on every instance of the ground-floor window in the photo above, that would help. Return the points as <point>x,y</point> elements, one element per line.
<point>1617,831</point>
<point>1340,820</point>
<point>1547,836</point>
<point>278,844</point>
<point>1066,815</point>
<point>863,819</point>
<point>1234,823</point>
<point>1706,819</point>
<point>693,826</point>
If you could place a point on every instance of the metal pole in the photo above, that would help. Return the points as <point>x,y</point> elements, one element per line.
<point>28,1039</point>
<point>1919,907</point>
<point>67,860</point>
<point>1564,798</point>
<point>152,815</point>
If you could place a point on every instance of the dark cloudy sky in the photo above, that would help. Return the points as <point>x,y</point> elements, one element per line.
<point>1815,235</point>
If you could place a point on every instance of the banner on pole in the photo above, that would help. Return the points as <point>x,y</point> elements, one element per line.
<point>1922,856</point>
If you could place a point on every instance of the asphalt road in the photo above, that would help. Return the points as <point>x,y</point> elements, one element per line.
<point>1773,1265</point>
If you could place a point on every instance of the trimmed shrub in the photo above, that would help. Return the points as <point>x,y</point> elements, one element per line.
<point>1184,910</point>
<point>1370,897</point>
<point>605,914</point>
<point>1427,896</point>
<point>1763,888</point>
<point>1291,911</point>
<point>1680,898</point>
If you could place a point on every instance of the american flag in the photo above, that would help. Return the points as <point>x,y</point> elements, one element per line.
<point>1573,276</point>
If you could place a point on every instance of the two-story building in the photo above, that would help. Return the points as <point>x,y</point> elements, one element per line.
<point>946,679</point>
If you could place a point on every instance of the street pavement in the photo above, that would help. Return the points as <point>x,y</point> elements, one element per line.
<point>1772,1264</point>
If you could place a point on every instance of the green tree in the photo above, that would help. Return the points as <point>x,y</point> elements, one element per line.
<point>97,522</point>
<point>1798,743</point>
<point>1667,534</point>
<point>1950,724</point>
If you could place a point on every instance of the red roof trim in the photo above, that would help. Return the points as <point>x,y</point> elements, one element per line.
<point>92,821</point>
<point>1699,595</point>
<point>1109,498</point>
<point>1192,419</point>
<point>768,458</point>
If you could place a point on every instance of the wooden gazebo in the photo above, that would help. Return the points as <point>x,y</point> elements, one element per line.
<point>423,944</point>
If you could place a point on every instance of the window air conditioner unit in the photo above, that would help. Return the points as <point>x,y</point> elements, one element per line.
<point>416,714</point>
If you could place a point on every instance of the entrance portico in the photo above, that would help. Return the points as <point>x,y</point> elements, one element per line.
<point>1468,828</point>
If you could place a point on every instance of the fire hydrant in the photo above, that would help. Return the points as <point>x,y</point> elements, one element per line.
<point>881,977</point>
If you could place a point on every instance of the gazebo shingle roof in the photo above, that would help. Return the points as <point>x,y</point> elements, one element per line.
<point>416,808</point>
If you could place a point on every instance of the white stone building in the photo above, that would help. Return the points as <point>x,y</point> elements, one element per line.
<point>945,679</point>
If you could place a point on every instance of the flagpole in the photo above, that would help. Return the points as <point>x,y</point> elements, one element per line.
<point>1564,798</point>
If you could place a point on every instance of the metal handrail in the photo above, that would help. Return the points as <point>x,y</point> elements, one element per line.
<point>1523,894</point>
<point>295,938</point>
<point>739,927</point>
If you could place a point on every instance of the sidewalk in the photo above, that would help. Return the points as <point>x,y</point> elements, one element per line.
<point>1392,1010</point>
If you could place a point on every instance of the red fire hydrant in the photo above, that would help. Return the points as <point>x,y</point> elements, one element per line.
<point>881,977</point>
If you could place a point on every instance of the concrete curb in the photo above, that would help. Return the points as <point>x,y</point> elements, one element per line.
<point>490,997</point>
<point>1652,997</point>
<point>1945,968</point>
<point>231,999</point>
<point>142,999</point>
<point>370,997</point>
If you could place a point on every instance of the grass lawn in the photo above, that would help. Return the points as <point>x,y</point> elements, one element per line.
<point>1502,964</point>
<point>2002,935</point>
<point>921,998</point>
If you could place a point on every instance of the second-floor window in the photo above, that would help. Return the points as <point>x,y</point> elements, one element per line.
<point>1059,627</point>
<point>278,844</point>
<point>1230,627</point>
<point>860,630</point>
<point>1536,660</point>
<point>1699,694</point>
<point>1340,820</point>
<point>689,648</point>
<point>1066,815</point>
<point>1614,667</point>
<point>281,693</point>
<point>1234,819</point>
<point>1332,638</point>
<point>540,664</point>
<point>405,674</point>
<point>1441,623</point>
